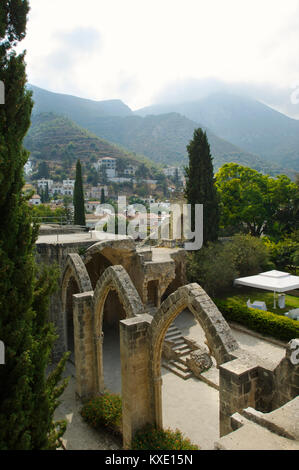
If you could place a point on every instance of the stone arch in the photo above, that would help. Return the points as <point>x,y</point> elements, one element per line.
<point>115,278</point>
<point>75,280</point>
<point>107,253</point>
<point>74,268</point>
<point>217,331</point>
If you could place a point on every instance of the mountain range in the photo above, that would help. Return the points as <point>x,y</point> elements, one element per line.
<point>244,122</point>
<point>53,137</point>
<point>239,129</point>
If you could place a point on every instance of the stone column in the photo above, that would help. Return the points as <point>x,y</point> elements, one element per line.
<point>85,357</point>
<point>287,375</point>
<point>237,390</point>
<point>136,376</point>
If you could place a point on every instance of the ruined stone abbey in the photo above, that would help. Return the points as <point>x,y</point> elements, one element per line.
<point>139,292</point>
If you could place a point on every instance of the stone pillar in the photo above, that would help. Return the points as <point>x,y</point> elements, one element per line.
<point>287,375</point>
<point>57,316</point>
<point>136,376</point>
<point>85,358</point>
<point>237,390</point>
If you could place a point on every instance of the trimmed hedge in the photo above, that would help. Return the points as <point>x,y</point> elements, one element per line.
<point>266,323</point>
<point>104,410</point>
<point>151,438</point>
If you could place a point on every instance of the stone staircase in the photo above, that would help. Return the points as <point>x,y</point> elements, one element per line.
<point>178,366</point>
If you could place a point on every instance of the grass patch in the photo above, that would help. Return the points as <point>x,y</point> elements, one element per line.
<point>243,294</point>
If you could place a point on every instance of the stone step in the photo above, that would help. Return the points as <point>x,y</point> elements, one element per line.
<point>175,337</point>
<point>176,368</point>
<point>183,347</point>
<point>172,330</point>
<point>180,365</point>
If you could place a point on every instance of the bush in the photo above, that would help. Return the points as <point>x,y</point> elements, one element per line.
<point>216,265</point>
<point>151,438</point>
<point>105,410</point>
<point>212,268</point>
<point>250,254</point>
<point>267,323</point>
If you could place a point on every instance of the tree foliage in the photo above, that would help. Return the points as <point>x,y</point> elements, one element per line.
<point>79,208</point>
<point>27,399</point>
<point>216,265</point>
<point>255,203</point>
<point>200,185</point>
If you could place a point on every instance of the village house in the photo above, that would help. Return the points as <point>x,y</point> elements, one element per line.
<point>35,200</point>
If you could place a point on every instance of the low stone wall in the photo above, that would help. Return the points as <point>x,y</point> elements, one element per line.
<point>249,381</point>
<point>54,229</point>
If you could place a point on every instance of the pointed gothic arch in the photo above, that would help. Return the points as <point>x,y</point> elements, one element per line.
<point>218,333</point>
<point>114,279</point>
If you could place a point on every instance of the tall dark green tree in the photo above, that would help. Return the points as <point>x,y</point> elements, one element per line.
<point>103,199</point>
<point>200,185</point>
<point>79,209</point>
<point>27,397</point>
<point>47,196</point>
<point>103,175</point>
<point>43,170</point>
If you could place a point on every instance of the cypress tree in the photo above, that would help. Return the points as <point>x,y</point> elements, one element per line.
<point>27,397</point>
<point>79,209</point>
<point>47,197</point>
<point>103,199</point>
<point>200,185</point>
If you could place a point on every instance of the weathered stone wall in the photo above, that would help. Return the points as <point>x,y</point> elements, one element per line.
<point>245,380</point>
<point>97,257</point>
<point>286,376</point>
<point>249,381</point>
<point>57,253</point>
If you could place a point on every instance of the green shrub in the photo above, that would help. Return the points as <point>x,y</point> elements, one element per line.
<point>217,265</point>
<point>104,410</point>
<point>267,323</point>
<point>151,438</point>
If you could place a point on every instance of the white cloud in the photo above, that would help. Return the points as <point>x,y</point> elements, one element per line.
<point>132,49</point>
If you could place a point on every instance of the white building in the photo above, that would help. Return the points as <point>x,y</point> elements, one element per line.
<point>109,163</point>
<point>68,184</point>
<point>64,189</point>
<point>130,171</point>
<point>171,171</point>
<point>91,206</point>
<point>35,200</point>
<point>119,179</point>
<point>96,192</point>
<point>28,168</point>
<point>42,184</point>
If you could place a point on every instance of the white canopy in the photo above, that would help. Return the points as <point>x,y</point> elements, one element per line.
<point>276,281</point>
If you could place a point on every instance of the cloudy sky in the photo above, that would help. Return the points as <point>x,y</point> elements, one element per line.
<point>144,51</point>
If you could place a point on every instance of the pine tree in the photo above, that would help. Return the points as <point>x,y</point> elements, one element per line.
<point>200,185</point>
<point>79,214</point>
<point>27,398</point>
